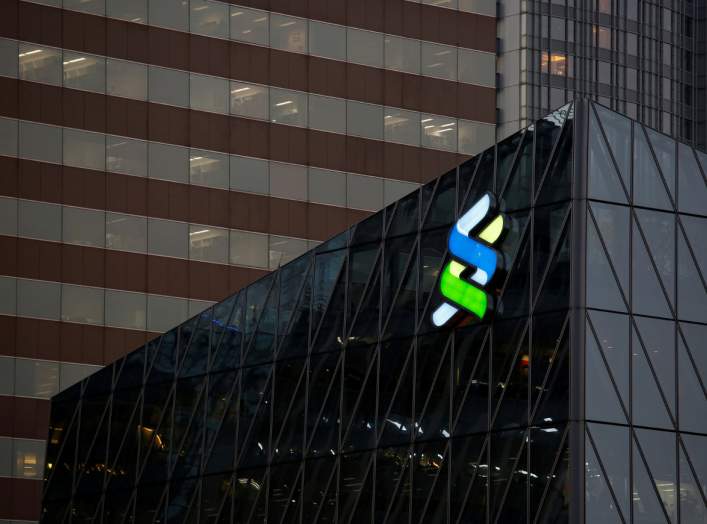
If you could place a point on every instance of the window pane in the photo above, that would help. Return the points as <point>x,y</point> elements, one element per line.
<point>84,149</point>
<point>82,304</point>
<point>29,458</point>
<point>40,64</point>
<point>39,220</point>
<point>83,226</point>
<point>364,192</point>
<point>249,174</point>
<point>396,189</point>
<point>249,25</point>
<point>209,93</point>
<point>8,137</point>
<point>168,86</point>
<point>364,120</point>
<point>402,54</point>
<point>327,187</point>
<point>209,18</point>
<point>127,79</point>
<point>70,373</point>
<point>126,155</point>
<point>95,7</point>
<point>288,181</point>
<point>476,67</point>
<point>131,10</point>
<point>439,61</point>
<point>474,137</point>
<point>8,57</point>
<point>449,4</point>
<point>288,33</point>
<point>364,47</point>
<point>164,313</point>
<point>126,232</point>
<point>284,249</point>
<point>170,13</point>
<point>37,298</point>
<point>207,168</point>
<point>327,40</point>
<point>8,296</point>
<point>482,7</point>
<point>208,244</point>
<point>167,238</point>
<point>249,249</point>
<point>40,142</point>
<point>439,132</point>
<point>249,100</point>
<point>8,216</point>
<point>7,387</point>
<point>82,71</point>
<point>288,107</point>
<point>168,162</point>
<point>36,378</point>
<point>125,309</point>
<point>198,306</point>
<point>327,113</point>
<point>402,126</point>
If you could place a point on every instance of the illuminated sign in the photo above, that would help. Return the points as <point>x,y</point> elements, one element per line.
<point>474,262</point>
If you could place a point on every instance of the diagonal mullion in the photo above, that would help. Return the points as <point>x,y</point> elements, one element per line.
<point>426,212</point>
<point>513,470</point>
<point>249,343</point>
<point>399,484</point>
<point>654,158</point>
<point>693,470</point>
<point>521,340</point>
<point>215,346</point>
<point>483,345</point>
<point>609,150</point>
<point>692,360</point>
<point>370,281</point>
<point>550,163</point>
<point>106,410</point>
<point>686,239</point>
<point>398,386</point>
<point>293,400</point>
<point>342,275</point>
<point>170,398</point>
<point>475,474</point>
<point>434,482</point>
<point>412,258</point>
<point>370,371</point>
<point>607,482</point>
<point>553,470</point>
<point>442,363</point>
<point>546,378</point>
<point>551,258</point>
<point>335,377</point>
<point>229,399</point>
<point>369,469</point>
<point>189,425</point>
<point>290,495</point>
<point>70,427</point>
<point>263,399</point>
<point>514,162</point>
<point>325,492</point>
<point>636,442</point>
<point>297,304</point>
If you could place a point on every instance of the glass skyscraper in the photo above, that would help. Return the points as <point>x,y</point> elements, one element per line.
<point>519,340</point>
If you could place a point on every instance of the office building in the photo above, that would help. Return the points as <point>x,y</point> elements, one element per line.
<point>519,340</point>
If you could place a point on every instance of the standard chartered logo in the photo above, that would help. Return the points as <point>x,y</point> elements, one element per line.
<point>474,262</point>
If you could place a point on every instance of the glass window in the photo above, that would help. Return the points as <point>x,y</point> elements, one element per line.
<point>208,244</point>
<point>9,50</point>
<point>396,189</point>
<point>83,226</point>
<point>288,107</point>
<point>402,126</point>
<point>7,387</point>
<point>167,238</point>
<point>29,458</point>
<point>285,249</point>
<point>131,10</point>
<point>327,113</point>
<point>482,7</point>
<point>364,120</point>
<point>250,25</point>
<point>402,54</point>
<point>364,47</point>
<point>249,249</point>
<point>288,33</point>
<point>70,373</point>
<point>8,216</point>
<point>476,67</point>
<point>40,142</point>
<point>8,137</point>
<point>8,296</point>
<point>208,168</point>
<point>126,79</point>
<point>37,298</point>
<point>163,313</point>
<point>82,71</point>
<point>249,174</point>
<point>126,232</point>
<point>36,378</point>
<point>439,61</point>
<point>288,181</point>
<point>126,155</point>
<point>209,93</point>
<point>95,7</point>
<point>168,162</point>
<point>364,192</point>
<point>168,86</point>
<point>327,187</point>
<point>198,306</point>
<point>82,304</point>
<point>125,309</point>
<point>475,136</point>
<point>209,18</point>
<point>327,40</point>
<point>173,14</point>
<point>84,149</point>
<point>439,132</point>
<point>249,100</point>
<point>39,220</point>
<point>449,4</point>
<point>40,64</point>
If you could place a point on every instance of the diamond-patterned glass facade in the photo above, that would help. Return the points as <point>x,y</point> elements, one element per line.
<point>325,393</point>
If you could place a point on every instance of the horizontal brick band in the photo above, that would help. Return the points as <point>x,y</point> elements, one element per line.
<point>23,417</point>
<point>21,499</point>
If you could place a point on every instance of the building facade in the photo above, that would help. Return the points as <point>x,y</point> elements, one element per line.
<point>520,340</point>
<point>159,155</point>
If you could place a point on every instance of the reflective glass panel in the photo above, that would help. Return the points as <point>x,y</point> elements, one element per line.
<point>439,61</point>
<point>126,79</point>
<point>249,100</point>
<point>288,107</point>
<point>40,64</point>
<point>250,25</point>
<point>402,54</point>
<point>82,71</point>
<point>288,33</point>
<point>208,93</point>
<point>327,40</point>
